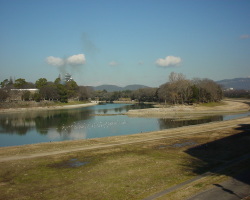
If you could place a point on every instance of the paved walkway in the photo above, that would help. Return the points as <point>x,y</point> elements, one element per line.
<point>242,181</point>
<point>232,189</point>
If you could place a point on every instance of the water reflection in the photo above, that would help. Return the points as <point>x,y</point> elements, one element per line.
<point>166,123</point>
<point>118,108</point>
<point>81,123</point>
<point>21,123</point>
<point>63,121</point>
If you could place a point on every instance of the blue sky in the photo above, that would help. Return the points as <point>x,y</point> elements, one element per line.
<point>124,42</point>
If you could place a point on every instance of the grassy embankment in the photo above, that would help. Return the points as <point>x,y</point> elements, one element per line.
<point>128,171</point>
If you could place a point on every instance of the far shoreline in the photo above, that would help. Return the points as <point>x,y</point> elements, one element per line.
<point>230,106</point>
<point>17,110</point>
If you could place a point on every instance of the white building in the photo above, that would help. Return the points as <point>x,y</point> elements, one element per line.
<point>68,77</point>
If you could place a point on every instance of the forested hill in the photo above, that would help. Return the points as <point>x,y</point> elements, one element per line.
<point>112,88</point>
<point>236,83</point>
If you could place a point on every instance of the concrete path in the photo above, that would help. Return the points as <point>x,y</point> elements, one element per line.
<point>242,181</point>
<point>232,189</point>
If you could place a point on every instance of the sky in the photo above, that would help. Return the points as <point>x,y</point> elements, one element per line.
<point>123,42</point>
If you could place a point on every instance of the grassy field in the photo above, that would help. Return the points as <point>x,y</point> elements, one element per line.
<point>128,171</point>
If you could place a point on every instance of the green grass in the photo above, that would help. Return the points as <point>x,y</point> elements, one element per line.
<point>198,185</point>
<point>213,104</point>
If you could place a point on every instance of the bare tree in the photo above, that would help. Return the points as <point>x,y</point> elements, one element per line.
<point>174,77</point>
<point>181,90</point>
<point>49,92</point>
<point>168,93</point>
<point>3,95</point>
<point>145,94</point>
<point>83,93</point>
<point>208,90</point>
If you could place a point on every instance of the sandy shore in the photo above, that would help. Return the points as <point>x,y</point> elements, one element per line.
<point>47,108</point>
<point>228,106</point>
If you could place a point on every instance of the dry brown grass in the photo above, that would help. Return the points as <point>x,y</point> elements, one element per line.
<point>125,171</point>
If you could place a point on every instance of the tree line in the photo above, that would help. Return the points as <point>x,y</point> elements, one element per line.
<point>178,90</point>
<point>237,93</point>
<point>51,91</point>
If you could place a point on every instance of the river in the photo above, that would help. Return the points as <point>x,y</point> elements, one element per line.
<point>83,123</point>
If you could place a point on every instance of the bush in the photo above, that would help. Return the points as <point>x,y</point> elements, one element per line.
<point>26,96</point>
<point>37,97</point>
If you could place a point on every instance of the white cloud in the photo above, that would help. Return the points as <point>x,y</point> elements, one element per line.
<point>169,61</point>
<point>78,59</point>
<point>55,61</point>
<point>246,36</point>
<point>113,63</point>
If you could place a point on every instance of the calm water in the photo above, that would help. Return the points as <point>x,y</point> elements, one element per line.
<point>83,123</point>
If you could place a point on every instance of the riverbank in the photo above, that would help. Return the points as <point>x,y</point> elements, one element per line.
<point>226,106</point>
<point>13,110</point>
<point>124,167</point>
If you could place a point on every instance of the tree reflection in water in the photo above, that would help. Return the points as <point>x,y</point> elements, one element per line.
<point>42,121</point>
<point>82,123</point>
<point>166,123</point>
<point>21,123</point>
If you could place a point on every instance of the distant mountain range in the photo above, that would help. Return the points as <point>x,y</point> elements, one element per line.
<point>112,88</point>
<point>236,83</point>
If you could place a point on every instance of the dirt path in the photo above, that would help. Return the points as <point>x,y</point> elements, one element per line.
<point>48,149</point>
